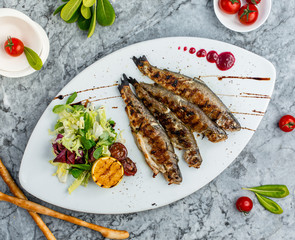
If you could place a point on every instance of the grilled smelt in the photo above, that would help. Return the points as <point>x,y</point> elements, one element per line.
<point>190,114</point>
<point>194,90</point>
<point>150,137</point>
<point>181,137</point>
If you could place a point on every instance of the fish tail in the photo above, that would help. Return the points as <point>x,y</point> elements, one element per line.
<point>124,82</point>
<point>193,157</point>
<point>132,81</point>
<point>139,61</point>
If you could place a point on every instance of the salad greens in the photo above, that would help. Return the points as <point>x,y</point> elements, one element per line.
<point>86,13</point>
<point>82,135</point>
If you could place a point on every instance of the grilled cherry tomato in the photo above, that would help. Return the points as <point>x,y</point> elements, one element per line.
<point>248,14</point>
<point>287,123</point>
<point>129,167</point>
<point>255,2</point>
<point>14,47</point>
<point>230,6</point>
<point>118,151</point>
<point>244,204</point>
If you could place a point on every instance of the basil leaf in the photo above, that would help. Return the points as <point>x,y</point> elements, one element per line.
<point>97,153</point>
<point>86,12</point>
<point>275,191</point>
<point>83,23</point>
<point>76,172</point>
<point>93,22</point>
<point>72,98</point>
<point>74,18</point>
<point>105,13</point>
<point>58,9</point>
<point>58,125</point>
<point>33,59</point>
<point>269,204</point>
<point>81,166</point>
<point>87,144</point>
<point>88,3</point>
<point>58,108</point>
<point>69,9</point>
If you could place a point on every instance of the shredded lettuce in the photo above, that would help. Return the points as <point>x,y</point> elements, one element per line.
<point>62,171</point>
<point>78,181</point>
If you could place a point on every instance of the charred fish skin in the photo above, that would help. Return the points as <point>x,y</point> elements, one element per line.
<point>190,114</point>
<point>194,90</point>
<point>180,136</point>
<point>150,137</point>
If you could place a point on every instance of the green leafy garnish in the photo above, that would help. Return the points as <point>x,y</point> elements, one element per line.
<point>72,98</point>
<point>269,204</point>
<point>105,13</point>
<point>33,59</point>
<point>98,153</point>
<point>70,9</point>
<point>275,191</point>
<point>93,22</point>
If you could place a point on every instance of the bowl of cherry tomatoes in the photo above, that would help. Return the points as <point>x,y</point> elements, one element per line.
<point>20,34</point>
<point>242,15</point>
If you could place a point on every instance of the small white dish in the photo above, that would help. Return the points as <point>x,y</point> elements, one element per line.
<point>232,22</point>
<point>16,24</point>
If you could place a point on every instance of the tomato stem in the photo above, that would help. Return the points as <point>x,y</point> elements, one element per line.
<point>247,12</point>
<point>9,44</point>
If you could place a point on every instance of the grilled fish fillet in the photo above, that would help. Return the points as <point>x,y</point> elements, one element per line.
<point>194,90</point>
<point>150,137</point>
<point>190,114</point>
<point>180,136</point>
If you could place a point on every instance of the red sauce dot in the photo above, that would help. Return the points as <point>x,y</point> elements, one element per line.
<point>178,48</point>
<point>185,48</point>
<point>225,61</point>
<point>192,50</point>
<point>201,53</point>
<point>212,56</point>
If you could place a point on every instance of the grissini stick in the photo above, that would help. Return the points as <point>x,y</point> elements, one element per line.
<point>34,207</point>
<point>15,190</point>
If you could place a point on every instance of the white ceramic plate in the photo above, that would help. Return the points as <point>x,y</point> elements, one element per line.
<point>232,22</point>
<point>16,24</point>
<point>142,191</point>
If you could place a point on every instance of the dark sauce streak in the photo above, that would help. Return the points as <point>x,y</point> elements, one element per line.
<point>248,95</point>
<point>248,129</point>
<point>114,107</point>
<point>236,77</point>
<point>60,97</point>
<point>100,99</point>
<point>258,111</point>
<point>253,114</point>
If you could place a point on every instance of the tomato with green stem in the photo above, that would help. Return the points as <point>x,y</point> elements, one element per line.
<point>248,14</point>
<point>230,6</point>
<point>244,204</point>
<point>255,2</point>
<point>287,123</point>
<point>14,47</point>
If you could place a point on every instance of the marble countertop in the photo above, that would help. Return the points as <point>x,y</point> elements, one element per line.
<point>208,213</point>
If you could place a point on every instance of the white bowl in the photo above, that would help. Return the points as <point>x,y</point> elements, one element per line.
<point>16,24</point>
<point>232,22</point>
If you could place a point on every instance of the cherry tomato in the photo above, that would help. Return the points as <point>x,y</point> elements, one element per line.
<point>287,123</point>
<point>129,167</point>
<point>255,2</point>
<point>244,204</point>
<point>230,6</point>
<point>118,151</point>
<point>248,14</point>
<point>14,47</point>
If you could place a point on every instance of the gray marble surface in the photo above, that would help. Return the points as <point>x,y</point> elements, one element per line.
<point>207,214</point>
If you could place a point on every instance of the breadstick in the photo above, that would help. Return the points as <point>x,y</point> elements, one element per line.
<point>15,190</point>
<point>31,206</point>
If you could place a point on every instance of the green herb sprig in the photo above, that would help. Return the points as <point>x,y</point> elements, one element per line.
<point>273,191</point>
<point>86,13</point>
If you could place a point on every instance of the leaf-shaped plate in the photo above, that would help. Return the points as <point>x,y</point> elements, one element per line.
<point>246,98</point>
